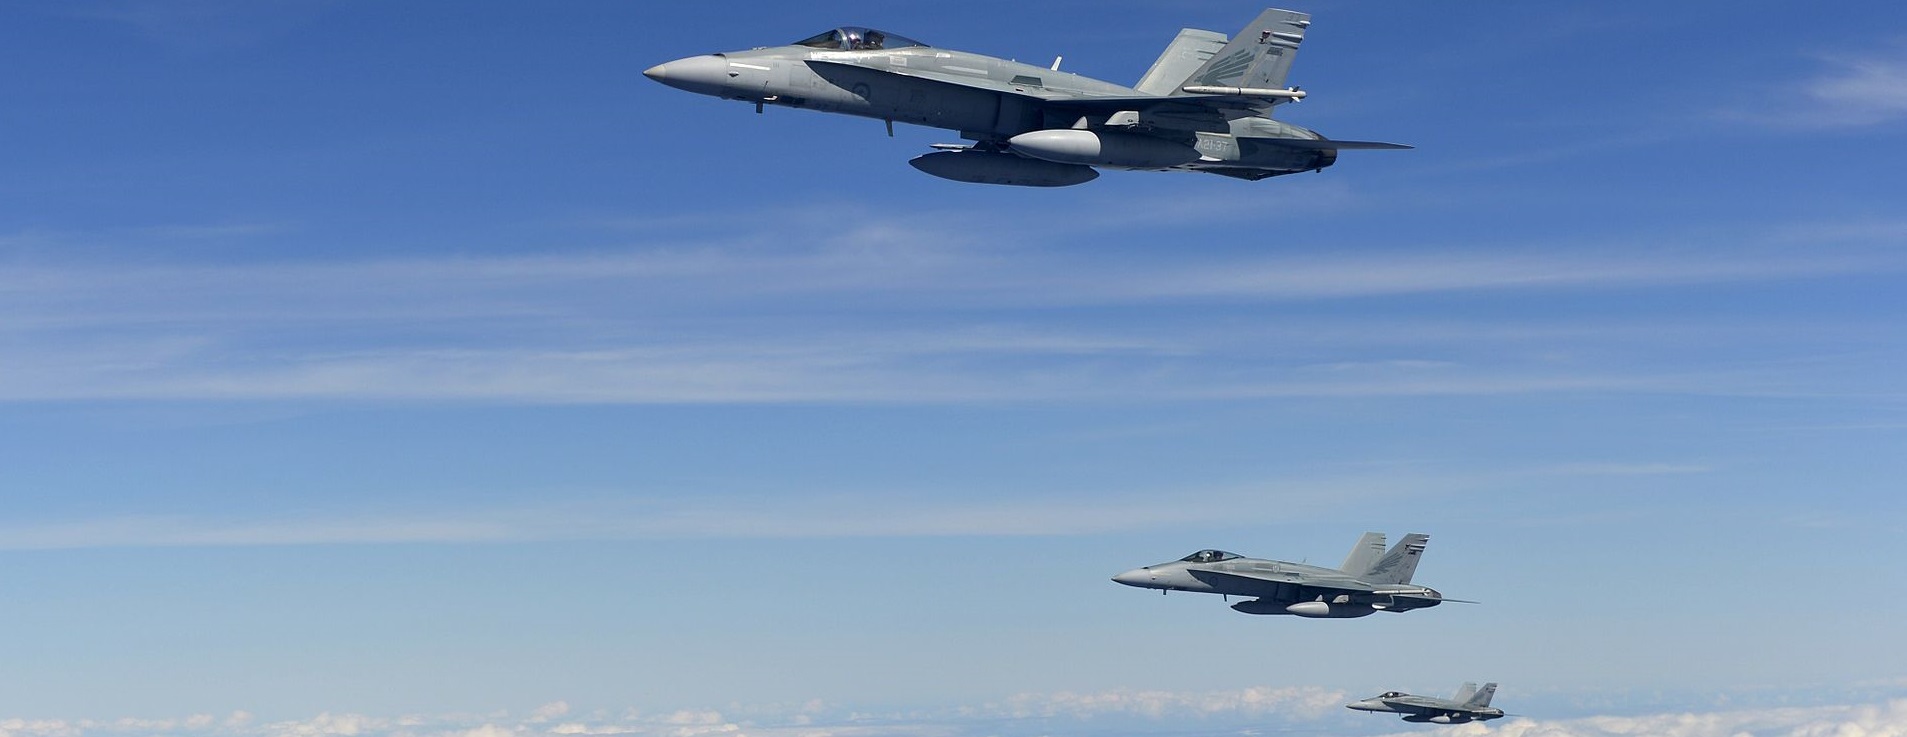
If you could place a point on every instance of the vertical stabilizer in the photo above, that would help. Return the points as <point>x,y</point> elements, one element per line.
<point>1369,549</point>
<point>1463,694</point>
<point>1187,53</point>
<point>1398,565</point>
<point>1259,56</point>
<point>1482,697</point>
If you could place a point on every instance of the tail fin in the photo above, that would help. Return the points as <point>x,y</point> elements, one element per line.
<point>1398,565</point>
<point>1463,694</point>
<point>1482,697</point>
<point>1259,56</point>
<point>1364,555</point>
<point>1187,53</point>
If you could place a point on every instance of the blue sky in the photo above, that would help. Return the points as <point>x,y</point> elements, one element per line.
<point>420,368</point>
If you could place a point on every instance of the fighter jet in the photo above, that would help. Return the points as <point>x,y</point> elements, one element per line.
<point>1205,105</point>
<point>1370,580</point>
<point>1470,704</point>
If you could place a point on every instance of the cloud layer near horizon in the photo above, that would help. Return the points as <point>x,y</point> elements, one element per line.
<point>1107,713</point>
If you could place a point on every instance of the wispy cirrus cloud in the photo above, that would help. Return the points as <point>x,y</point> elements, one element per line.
<point>1859,90</point>
<point>875,313</point>
<point>736,514</point>
<point>200,25</point>
<point>886,309</point>
<point>1846,90</point>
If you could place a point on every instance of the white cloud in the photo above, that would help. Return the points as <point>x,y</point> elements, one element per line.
<point>1056,714</point>
<point>880,314</point>
<point>1301,702</point>
<point>660,515</point>
<point>1846,90</point>
<point>200,25</point>
<point>1859,90</point>
<point>1887,719</point>
<point>38,728</point>
<point>1620,469</point>
<point>815,514</point>
<point>492,730</point>
<point>166,531</point>
<point>327,725</point>
<point>877,367</point>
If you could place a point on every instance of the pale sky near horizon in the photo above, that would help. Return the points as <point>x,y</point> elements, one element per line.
<point>420,368</point>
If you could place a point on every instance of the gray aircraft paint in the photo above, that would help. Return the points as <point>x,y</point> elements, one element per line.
<point>1470,704</point>
<point>1189,51</point>
<point>1371,580</point>
<point>1224,127</point>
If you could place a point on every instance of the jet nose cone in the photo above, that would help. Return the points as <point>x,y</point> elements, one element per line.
<point>1136,577</point>
<point>706,74</point>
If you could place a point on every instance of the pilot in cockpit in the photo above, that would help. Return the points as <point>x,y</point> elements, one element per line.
<point>1204,556</point>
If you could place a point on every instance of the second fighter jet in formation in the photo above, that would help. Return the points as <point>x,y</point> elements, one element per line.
<point>1470,704</point>
<point>1370,580</point>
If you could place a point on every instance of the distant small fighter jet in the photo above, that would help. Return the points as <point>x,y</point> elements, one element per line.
<point>1371,580</point>
<point>1205,105</point>
<point>1470,704</point>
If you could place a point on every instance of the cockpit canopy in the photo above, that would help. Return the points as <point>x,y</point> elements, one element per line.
<point>1391,694</point>
<point>1210,556</point>
<point>856,38</point>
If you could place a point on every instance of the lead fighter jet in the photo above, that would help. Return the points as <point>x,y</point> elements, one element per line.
<point>1205,105</point>
<point>1370,580</point>
<point>1470,704</point>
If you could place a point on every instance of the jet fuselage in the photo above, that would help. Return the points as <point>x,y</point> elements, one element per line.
<point>1005,99</point>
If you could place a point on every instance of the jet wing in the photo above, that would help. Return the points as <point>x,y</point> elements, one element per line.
<point>1191,112</point>
<point>1345,584</point>
<point>1215,103</point>
<point>1286,585</point>
<point>1178,112</point>
<point>962,80</point>
<point>1281,585</point>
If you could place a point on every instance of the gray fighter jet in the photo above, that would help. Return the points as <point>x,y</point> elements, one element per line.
<point>1205,105</point>
<point>1470,704</point>
<point>1371,580</point>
